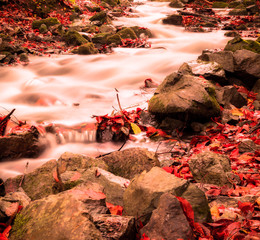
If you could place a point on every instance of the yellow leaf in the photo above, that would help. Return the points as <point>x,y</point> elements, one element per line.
<point>214,211</point>
<point>135,128</point>
<point>237,112</point>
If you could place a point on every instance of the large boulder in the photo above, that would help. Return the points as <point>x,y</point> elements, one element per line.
<point>167,221</point>
<point>129,162</point>
<point>185,95</point>
<point>76,214</point>
<point>27,144</point>
<point>238,43</point>
<point>211,168</point>
<point>36,184</point>
<point>143,194</point>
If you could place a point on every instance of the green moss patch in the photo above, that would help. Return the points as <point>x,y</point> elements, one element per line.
<point>48,22</point>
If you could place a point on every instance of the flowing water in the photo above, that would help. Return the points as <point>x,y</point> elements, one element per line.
<point>76,87</point>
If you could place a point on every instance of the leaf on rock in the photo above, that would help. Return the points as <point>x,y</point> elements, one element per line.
<point>135,128</point>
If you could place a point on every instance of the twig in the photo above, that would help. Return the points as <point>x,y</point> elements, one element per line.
<point>105,154</point>
<point>25,170</point>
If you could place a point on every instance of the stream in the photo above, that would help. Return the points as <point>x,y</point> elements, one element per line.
<point>74,87</point>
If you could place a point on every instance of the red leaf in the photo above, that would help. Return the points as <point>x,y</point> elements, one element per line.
<point>187,209</point>
<point>168,169</point>
<point>115,210</point>
<point>245,207</point>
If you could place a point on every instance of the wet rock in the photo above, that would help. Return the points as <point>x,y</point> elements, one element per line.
<point>100,18</point>
<point>253,9</point>
<point>87,49</point>
<point>114,186</point>
<point>127,33</point>
<point>24,57</point>
<point>210,167</point>
<point>231,34</point>
<point>238,44</point>
<point>176,4</point>
<point>174,19</point>
<point>184,97</point>
<point>229,95</point>
<point>48,22</point>
<point>107,29</point>
<point>209,70</point>
<point>43,28</point>
<point>143,194</point>
<point>2,188</point>
<point>100,38</point>
<point>142,32</point>
<point>28,144</point>
<point>112,3</point>
<point>114,40</point>
<point>167,221</point>
<point>73,162</point>
<point>37,184</point>
<point>224,58</point>
<point>72,37</point>
<point>238,12</point>
<point>129,162</point>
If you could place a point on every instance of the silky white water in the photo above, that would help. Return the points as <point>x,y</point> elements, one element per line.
<point>75,87</point>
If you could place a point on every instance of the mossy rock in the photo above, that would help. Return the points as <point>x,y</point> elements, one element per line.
<point>74,38</point>
<point>238,12</point>
<point>87,49</point>
<point>48,22</point>
<point>238,43</point>
<point>176,4</point>
<point>100,38</point>
<point>231,34</point>
<point>219,5</point>
<point>100,16</point>
<point>234,4</point>
<point>112,3</point>
<point>141,30</point>
<point>24,57</point>
<point>127,33</point>
<point>241,27</point>
<point>258,40</point>
<point>94,9</point>
<point>114,40</point>
<point>43,28</point>
<point>249,2</point>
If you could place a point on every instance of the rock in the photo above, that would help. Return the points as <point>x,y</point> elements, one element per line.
<point>43,28</point>
<point>176,4</point>
<point>224,58</point>
<point>238,43</point>
<point>142,32</point>
<point>74,162</point>
<point>129,162</point>
<point>167,221</point>
<point>100,18</point>
<point>231,34</point>
<point>181,96</point>
<point>229,95</point>
<point>143,194</point>
<point>238,12</point>
<point>76,214</point>
<point>37,184</point>
<point>28,144</point>
<point>209,70</point>
<point>107,29</point>
<point>234,4</point>
<point>2,188</point>
<point>247,145</point>
<point>72,37</point>
<point>114,186</point>
<point>100,38</point>
<point>219,4</point>
<point>247,65</point>
<point>112,3</point>
<point>127,33</point>
<point>48,22</point>
<point>211,168</point>
<point>115,227</point>
<point>114,40</point>
<point>87,48</point>
<point>174,19</point>
<point>24,57</point>
<point>256,89</point>
<point>10,202</point>
<point>253,9</point>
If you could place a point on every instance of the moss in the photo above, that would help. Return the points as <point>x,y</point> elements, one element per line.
<point>127,33</point>
<point>24,57</point>
<point>234,4</point>
<point>43,28</point>
<point>112,3</point>
<point>94,9</point>
<point>74,38</point>
<point>19,226</point>
<point>87,48</point>
<point>71,184</point>
<point>48,22</point>
<point>100,16</point>
<point>241,27</point>
<point>258,40</point>
<point>231,34</point>
<point>140,30</point>
<point>219,5</point>
<point>249,2</point>
<point>238,43</point>
<point>240,6</point>
<point>114,39</point>
<point>212,94</point>
<point>156,105</point>
<point>100,38</point>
